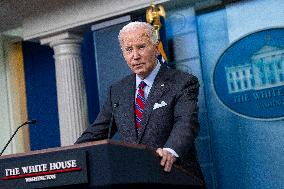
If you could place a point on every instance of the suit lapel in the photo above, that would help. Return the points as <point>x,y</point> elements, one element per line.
<point>159,87</point>
<point>128,100</point>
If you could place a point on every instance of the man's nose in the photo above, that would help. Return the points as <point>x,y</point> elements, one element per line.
<point>136,54</point>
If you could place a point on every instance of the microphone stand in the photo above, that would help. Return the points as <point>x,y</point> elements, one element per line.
<point>111,120</point>
<point>27,122</point>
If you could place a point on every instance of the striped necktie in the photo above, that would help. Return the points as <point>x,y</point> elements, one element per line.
<point>140,104</point>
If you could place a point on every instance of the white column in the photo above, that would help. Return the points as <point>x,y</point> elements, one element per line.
<point>71,94</point>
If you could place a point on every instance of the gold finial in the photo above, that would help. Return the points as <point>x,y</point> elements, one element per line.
<point>153,14</point>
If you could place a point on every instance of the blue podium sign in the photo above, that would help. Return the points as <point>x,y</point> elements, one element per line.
<point>249,76</point>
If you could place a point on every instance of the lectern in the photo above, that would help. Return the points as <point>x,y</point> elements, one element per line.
<point>100,164</point>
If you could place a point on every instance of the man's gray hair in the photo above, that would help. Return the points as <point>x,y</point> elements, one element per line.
<point>132,26</point>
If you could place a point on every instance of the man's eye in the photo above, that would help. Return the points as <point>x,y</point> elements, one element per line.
<point>128,49</point>
<point>141,46</point>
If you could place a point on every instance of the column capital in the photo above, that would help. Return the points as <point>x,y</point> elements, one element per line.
<point>64,44</point>
<point>62,38</point>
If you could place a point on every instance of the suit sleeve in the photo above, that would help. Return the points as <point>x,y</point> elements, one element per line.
<point>99,129</point>
<point>186,125</point>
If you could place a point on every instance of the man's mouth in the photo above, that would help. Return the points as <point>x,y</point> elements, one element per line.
<point>137,65</point>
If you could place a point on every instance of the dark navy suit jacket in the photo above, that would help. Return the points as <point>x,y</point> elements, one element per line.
<point>174,125</point>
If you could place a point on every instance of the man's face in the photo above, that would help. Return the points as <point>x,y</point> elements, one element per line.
<point>139,52</point>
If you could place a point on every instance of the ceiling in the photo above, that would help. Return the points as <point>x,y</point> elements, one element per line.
<point>13,12</point>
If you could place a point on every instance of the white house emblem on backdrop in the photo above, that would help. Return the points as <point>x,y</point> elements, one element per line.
<point>249,76</point>
<point>264,70</point>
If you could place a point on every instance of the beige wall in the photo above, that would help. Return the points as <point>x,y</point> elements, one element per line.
<point>13,111</point>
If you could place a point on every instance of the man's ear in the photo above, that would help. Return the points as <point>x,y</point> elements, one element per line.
<point>157,49</point>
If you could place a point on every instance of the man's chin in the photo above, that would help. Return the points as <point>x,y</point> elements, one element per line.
<point>140,74</point>
<point>138,71</point>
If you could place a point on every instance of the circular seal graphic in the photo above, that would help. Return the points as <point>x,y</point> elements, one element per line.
<point>249,76</point>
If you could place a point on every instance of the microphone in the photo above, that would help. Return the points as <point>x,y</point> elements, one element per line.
<point>33,121</point>
<point>115,105</point>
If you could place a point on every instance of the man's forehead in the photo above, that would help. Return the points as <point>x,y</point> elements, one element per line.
<point>141,38</point>
<point>136,32</point>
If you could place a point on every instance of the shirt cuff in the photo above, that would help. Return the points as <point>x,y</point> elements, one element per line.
<point>171,151</point>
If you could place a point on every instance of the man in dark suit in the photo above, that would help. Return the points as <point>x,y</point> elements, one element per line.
<point>155,106</point>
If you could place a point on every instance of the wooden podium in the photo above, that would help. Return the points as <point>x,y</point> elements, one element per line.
<point>101,164</point>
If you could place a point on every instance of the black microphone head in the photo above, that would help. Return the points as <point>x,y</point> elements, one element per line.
<point>33,121</point>
<point>115,105</point>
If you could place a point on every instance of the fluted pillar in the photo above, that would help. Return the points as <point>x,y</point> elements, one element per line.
<point>71,94</point>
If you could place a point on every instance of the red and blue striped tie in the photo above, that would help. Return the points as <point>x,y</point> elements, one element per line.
<point>140,104</point>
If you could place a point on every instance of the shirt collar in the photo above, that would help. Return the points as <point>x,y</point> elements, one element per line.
<point>149,80</point>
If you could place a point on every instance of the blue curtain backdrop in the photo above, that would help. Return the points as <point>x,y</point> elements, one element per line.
<point>41,95</point>
<point>90,75</point>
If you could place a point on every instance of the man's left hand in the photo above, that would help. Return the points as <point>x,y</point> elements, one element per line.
<point>167,159</point>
